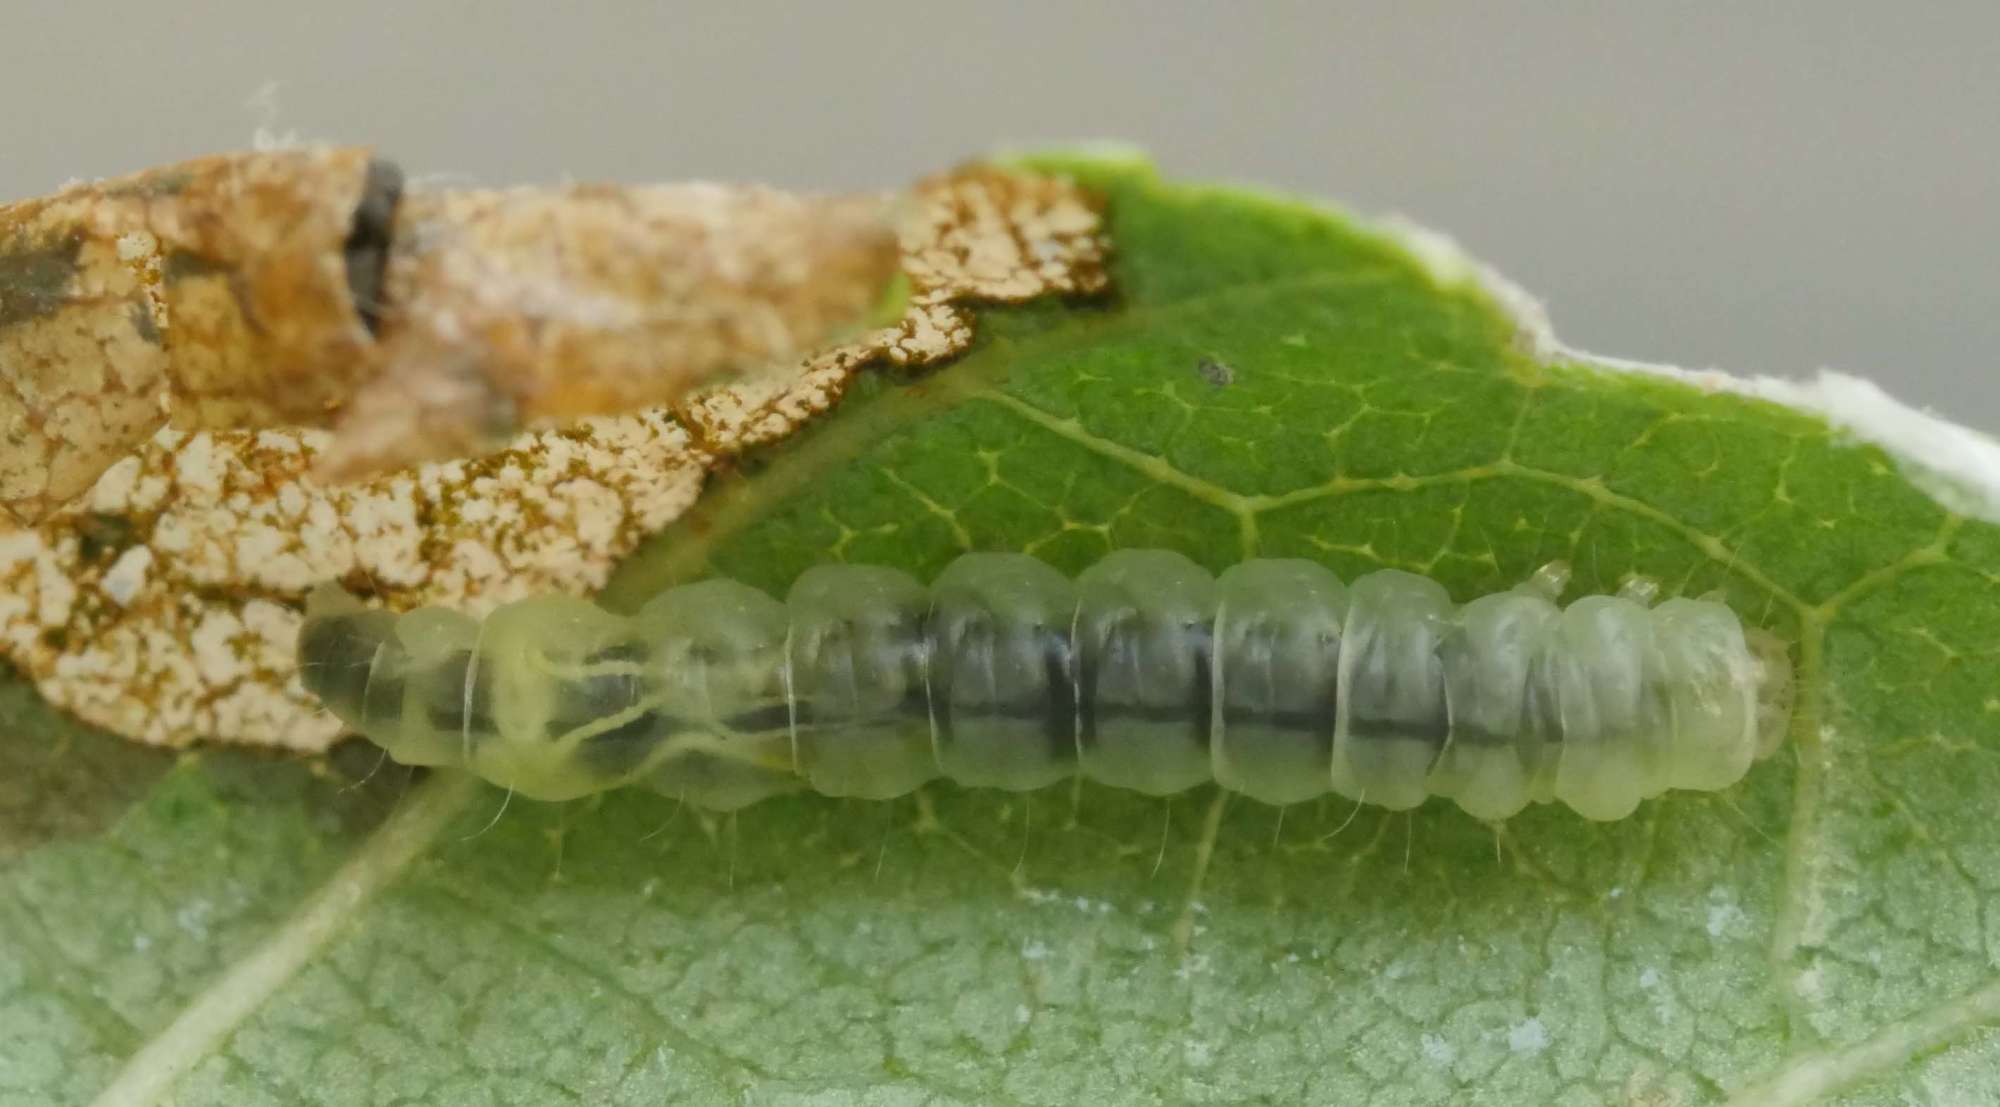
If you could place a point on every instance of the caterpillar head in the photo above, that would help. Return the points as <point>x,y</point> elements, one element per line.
<point>338,642</point>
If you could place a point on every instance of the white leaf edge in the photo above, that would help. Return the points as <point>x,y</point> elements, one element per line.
<point>1955,465</point>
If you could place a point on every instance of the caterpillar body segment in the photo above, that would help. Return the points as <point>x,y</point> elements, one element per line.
<point>1276,678</point>
<point>1003,703</point>
<point>1144,640</point>
<point>1392,718</point>
<point>1505,734</point>
<point>860,659</point>
<point>1145,672</point>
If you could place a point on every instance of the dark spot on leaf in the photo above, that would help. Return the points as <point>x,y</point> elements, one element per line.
<point>185,264</point>
<point>214,594</point>
<point>102,537</point>
<point>142,323</point>
<point>1215,372</point>
<point>35,278</point>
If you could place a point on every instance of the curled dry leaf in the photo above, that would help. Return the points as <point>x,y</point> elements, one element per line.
<point>308,288</point>
<point>221,280</point>
<point>531,308</point>
<point>163,604</point>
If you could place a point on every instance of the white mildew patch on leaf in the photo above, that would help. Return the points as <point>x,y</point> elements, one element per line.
<point>1270,380</point>
<point>165,605</point>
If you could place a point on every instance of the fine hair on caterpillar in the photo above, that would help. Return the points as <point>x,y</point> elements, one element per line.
<point>1274,679</point>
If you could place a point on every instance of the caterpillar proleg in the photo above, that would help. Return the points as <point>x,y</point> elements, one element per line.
<point>1275,680</point>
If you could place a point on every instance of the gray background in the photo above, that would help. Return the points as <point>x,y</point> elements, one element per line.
<point>1759,187</point>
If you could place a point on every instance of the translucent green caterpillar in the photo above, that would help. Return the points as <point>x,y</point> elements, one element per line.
<point>1274,680</point>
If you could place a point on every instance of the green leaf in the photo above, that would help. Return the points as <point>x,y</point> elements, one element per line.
<point>234,930</point>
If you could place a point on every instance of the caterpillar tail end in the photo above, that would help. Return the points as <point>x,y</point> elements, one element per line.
<point>1775,689</point>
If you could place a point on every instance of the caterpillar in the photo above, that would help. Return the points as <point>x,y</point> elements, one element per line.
<point>1275,680</point>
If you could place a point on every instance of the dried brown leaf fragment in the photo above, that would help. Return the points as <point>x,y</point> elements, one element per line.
<point>307,287</point>
<point>977,235</point>
<point>528,308</point>
<point>163,605</point>
<point>221,281</point>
